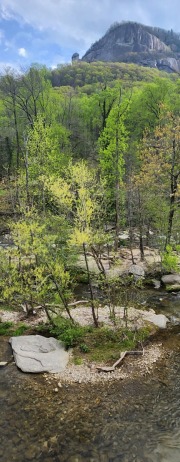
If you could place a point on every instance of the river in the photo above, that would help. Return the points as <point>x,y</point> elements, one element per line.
<point>130,421</point>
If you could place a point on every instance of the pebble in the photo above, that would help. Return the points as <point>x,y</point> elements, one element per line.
<point>83,373</point>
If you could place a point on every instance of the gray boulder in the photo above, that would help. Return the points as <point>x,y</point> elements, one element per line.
<point>172,282</point>
<point>158,320</point>
<point>35,353</point>
<point>137,271</point>
<point>171,279</point>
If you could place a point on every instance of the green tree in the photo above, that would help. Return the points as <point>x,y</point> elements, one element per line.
<point>112,148</point>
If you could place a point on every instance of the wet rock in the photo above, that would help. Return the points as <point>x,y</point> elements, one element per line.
<point>156,283</point>
<point>36,354</point>
<point>173,288</point>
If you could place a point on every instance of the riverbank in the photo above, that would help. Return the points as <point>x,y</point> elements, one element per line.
<point>88,373</point>
<point>80,368</point>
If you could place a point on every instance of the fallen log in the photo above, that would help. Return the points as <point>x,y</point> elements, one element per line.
<point>119,361</point>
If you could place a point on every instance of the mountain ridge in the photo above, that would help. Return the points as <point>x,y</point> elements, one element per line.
<point>132,42</point>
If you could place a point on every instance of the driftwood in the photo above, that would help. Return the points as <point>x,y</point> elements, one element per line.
<point>79,302</point>
<point>52,305</point>
<point>119,361</point>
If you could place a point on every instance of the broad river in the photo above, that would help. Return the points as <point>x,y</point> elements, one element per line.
<point>130,421</point>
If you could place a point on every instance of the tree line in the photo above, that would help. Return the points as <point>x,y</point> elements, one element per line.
<point>76,163</point>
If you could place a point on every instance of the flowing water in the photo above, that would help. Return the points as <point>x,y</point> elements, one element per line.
<point>128,421</point>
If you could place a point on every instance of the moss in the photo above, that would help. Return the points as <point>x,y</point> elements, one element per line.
<point>20,330</point>
<point>8,328</point>
<point>77,361</point>
<point>5,327</point>
<point>105,344</point>
<point>7,308</point>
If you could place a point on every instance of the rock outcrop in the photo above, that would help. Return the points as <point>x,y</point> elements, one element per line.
<point>131,42</point>
<point>35,353</point>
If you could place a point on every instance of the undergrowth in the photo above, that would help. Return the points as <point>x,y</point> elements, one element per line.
<point>102,344</point>
<point>8,328</point>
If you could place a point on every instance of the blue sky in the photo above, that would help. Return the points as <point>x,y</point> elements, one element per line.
<point>50,31</point>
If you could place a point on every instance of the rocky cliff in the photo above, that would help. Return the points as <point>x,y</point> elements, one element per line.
<point>135,43</point>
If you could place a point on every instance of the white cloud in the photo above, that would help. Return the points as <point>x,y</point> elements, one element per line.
<point>22,52</point>
<point>78,23</point>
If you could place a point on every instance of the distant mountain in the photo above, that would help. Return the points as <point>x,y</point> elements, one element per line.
<point>130,42</point>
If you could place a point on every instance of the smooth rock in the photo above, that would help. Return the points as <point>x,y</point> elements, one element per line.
<point>159,320</point>
<point>171,279</point>
<point>137,271</point>
<point>3,363</point>
<point>35,353</point>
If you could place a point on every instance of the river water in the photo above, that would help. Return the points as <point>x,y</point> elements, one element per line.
<point>130,421</point>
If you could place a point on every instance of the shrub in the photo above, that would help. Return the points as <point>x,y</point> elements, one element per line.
<point>71,334</point>
<point>84,348</point>
<point>5,327</point>
<point>20,330</point>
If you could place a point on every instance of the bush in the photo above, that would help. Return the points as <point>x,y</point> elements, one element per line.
<point>84,348</point>
<point>170,259</point>
<point>5,327</point>
<point>71,334</point>
<point>20,330</point>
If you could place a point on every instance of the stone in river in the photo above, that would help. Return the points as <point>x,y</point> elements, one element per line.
<point>35,353</point>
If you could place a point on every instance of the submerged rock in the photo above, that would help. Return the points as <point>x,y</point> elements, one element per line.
<point>35,353</point>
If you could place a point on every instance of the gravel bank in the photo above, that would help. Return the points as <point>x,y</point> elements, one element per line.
<point>87,373</point>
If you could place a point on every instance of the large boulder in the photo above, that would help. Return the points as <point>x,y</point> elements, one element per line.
<point>137,271</point>
<point>172,282</point>
<point>35,353</point>
<point>159,320</point>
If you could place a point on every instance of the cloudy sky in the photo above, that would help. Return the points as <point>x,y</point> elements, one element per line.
<point>50,31</point>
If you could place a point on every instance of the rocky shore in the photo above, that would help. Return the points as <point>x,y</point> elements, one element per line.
<point>88,373</point>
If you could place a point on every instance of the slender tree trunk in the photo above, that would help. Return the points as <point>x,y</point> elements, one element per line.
<point>117,192</point>
<point>90,287</point>
<point>27,177</point>
<point>129,206</point>
<point>98,261</point>
<point>141,246</point>
<point>9,152</point>
<point>172,207</point>
<point>63,299</point>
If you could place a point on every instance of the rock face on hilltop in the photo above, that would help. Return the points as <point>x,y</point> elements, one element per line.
<point>135,43</point>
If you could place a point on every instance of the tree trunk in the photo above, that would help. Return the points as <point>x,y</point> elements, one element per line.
<point>90,287</point>
<point>174,179</point>
<point>117,190</point>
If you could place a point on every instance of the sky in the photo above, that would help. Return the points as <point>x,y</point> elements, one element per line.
<point>48,32</point>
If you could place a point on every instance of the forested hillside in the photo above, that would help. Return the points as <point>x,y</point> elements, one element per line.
<point>82,74</point>
<point>100,151</point>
